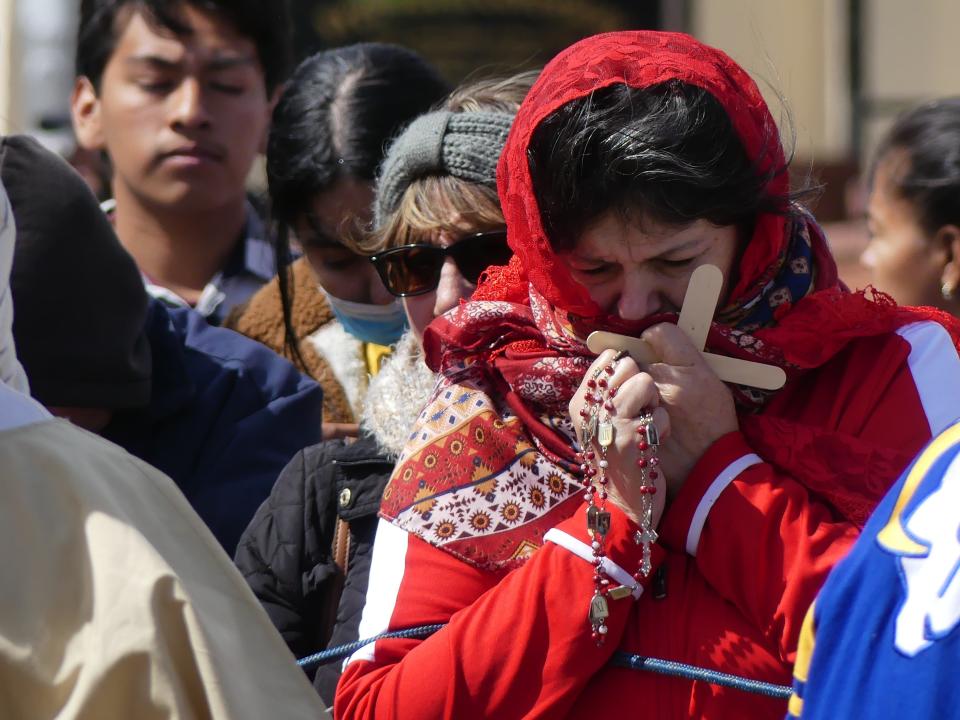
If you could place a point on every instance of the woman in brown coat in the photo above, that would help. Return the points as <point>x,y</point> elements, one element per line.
<point>329,313</point>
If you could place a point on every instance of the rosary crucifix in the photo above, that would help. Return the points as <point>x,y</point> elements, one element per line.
<point>699,304</point>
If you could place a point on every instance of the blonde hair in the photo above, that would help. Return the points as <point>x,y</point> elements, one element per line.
<point>444,202</point>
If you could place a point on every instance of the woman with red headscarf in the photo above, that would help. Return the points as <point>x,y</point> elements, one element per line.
<point>553,507</point>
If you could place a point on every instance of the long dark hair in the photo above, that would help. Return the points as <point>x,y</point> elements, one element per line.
<point>334,121</point>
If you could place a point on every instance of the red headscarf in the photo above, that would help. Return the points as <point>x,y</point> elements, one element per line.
<point>638,60</point>
<point>641,59</point>
<point>510,360</point>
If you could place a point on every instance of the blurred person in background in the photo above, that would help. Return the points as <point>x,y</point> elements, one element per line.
<point>330,314</point>
<point>178,95</point>
<point>438,226</point>
<point>913,212</point>
<point>217,412</point>
<point>118,602</point>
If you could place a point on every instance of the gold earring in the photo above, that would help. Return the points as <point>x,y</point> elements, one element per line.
<point>946,291</point>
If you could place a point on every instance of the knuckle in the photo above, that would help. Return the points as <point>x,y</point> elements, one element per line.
<point>630,365</point>
<point>653,333</point>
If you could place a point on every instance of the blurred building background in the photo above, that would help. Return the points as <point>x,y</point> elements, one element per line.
<point>845,68</point>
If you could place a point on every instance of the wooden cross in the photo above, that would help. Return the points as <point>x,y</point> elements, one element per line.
<point>696,315</point>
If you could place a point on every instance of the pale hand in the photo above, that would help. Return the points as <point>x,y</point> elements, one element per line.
<point>636,392</point>
<point>700,406</point>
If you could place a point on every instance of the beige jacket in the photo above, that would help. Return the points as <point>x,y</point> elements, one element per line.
<point>117,602</point>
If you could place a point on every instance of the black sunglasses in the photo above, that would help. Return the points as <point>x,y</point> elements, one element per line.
<point>415,269</point>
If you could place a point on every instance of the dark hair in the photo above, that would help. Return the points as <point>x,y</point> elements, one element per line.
<point>929,178</point>
<point>337,115</point>
<point>265,22</point>
<point>668,152</point>
<point>335,119</point>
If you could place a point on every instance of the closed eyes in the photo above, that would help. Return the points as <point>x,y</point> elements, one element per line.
<point>676,263</point>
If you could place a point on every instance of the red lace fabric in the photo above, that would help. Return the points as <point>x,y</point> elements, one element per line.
<point>511,358</point>
<point>639,60</point>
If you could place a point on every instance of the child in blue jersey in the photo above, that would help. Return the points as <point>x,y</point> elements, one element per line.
<point>882,638</point>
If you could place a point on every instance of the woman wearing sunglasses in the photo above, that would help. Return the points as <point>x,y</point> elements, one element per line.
<point>439,226</point>
<point>419,272</point>
<point>554,506</point>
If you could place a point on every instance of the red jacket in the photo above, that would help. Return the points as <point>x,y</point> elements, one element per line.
<point>745,548</point>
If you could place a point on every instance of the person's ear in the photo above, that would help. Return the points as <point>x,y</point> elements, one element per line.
<point>947,240</point>
<point>85,113</point>
<point>274,99</point>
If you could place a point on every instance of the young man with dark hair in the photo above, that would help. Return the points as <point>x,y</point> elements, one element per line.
<point>178,93</point>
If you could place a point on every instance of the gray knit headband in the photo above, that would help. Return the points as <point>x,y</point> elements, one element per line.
<point>466,145</point>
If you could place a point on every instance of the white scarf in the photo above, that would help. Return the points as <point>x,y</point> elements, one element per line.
<point>11,372</point>
<point>17,408</point>
<point>396,396</point>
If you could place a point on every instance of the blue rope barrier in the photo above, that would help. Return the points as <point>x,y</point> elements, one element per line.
<point>341,651</point>
<point>620,659</point>
<point>692,672</point>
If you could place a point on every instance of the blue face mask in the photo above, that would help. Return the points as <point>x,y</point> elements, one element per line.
<point>379,324</point>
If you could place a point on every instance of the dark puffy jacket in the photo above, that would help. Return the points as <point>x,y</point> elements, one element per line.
<point>225,416</point>
<point>285,554</point>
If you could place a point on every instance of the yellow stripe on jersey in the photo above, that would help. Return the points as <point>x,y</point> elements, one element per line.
<point>801,669</point>
<point>893,537</point>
